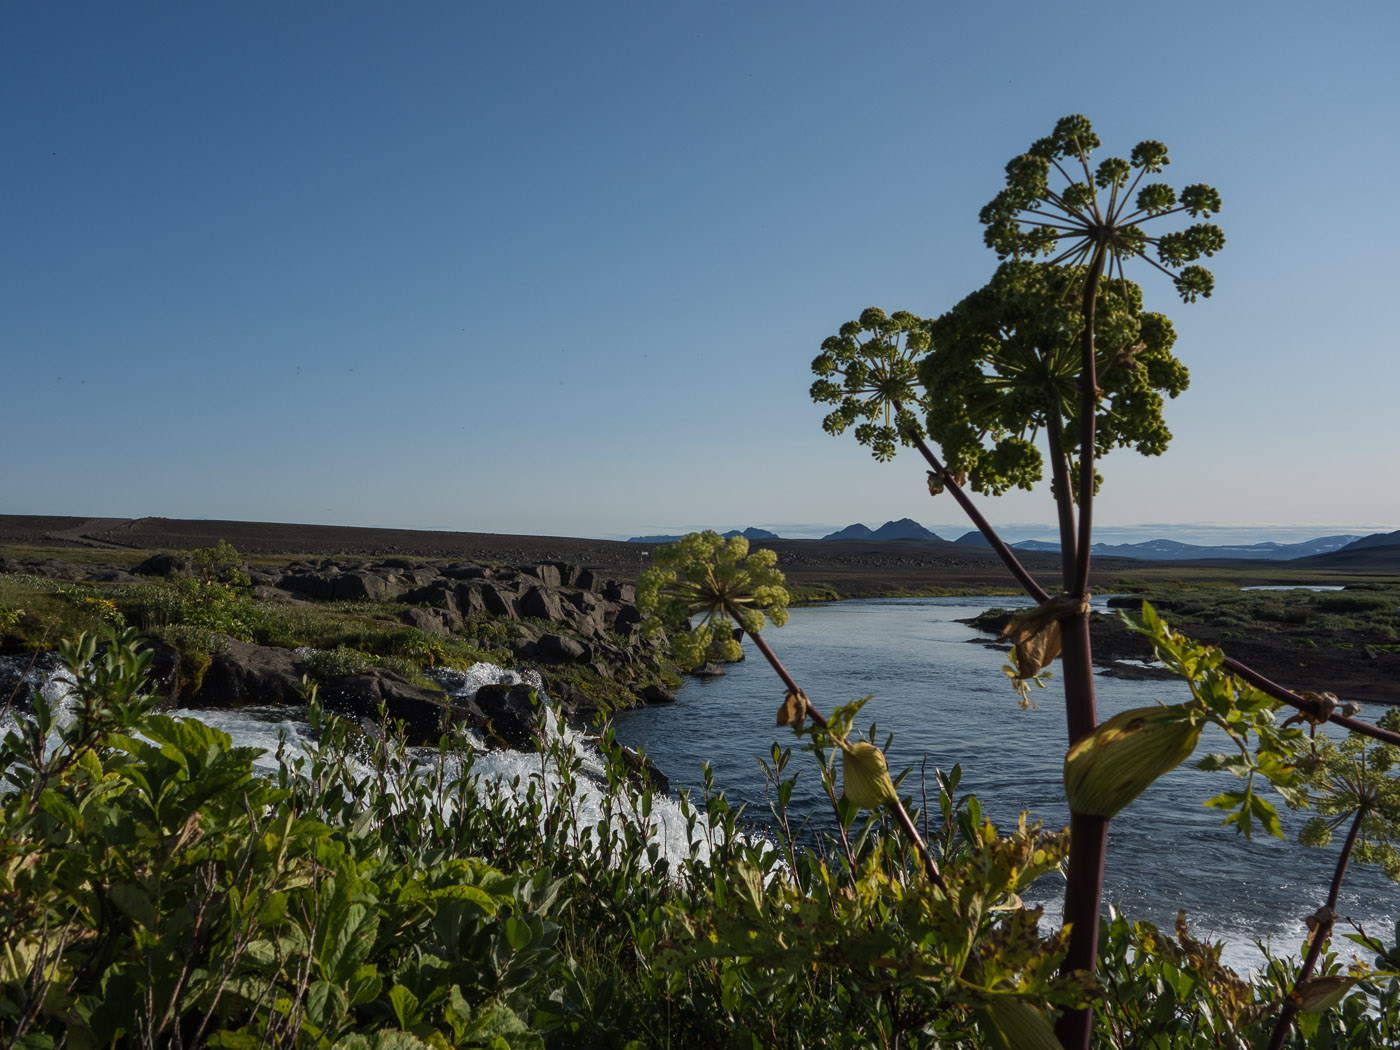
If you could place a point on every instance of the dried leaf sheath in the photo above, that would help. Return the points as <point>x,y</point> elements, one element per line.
<point>1036,632</point>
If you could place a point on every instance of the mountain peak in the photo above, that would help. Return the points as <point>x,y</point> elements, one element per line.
<point>750,533</point>
<point>851,532</point>
<point>903,529</point>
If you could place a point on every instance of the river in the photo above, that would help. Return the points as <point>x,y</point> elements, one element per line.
<point>941,694</point>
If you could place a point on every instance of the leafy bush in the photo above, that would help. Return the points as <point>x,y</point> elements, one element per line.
<point>156,890</point>
<point>325,664</point>
<point>1348,603</point>
<point>151,605</point>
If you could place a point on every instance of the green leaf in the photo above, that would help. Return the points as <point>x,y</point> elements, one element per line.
<point>132,899</point>
<point>518,933</point>
<point>405,1006</point>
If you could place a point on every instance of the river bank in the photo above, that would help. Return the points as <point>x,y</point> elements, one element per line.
<point>1308,652</point>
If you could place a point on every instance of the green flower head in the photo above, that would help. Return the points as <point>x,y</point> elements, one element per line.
<point>868,372</point>
<point>1005,363</point>
<point>718,580</point>
<point>1101,207</point>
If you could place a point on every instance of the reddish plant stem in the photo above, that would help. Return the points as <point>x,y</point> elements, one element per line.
<point>1088,414</point>
<point>1320,933</point>
<point>1088,836</point>
<point>1064,503</point>
<point>788,680</point>
<point>901,815</point>
<point>1077,667</point>
<point>1291,698</point>
<point>791,684</point>
<point>1024,578</point>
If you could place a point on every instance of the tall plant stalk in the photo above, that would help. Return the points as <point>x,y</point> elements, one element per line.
<point>1088,835</point>
<point>1066,347</point>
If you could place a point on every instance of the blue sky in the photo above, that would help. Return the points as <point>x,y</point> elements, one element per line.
<point>562,268</point>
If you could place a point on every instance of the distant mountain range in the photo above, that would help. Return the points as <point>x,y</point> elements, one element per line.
<point>1380,549</point>
<point>748,534</point>
<point>903,529</point>
<point>1376,539</point>
<point>1171,550</point>
<point>1324,550</point>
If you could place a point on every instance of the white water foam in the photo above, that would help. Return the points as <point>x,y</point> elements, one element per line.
<point>498,773</point>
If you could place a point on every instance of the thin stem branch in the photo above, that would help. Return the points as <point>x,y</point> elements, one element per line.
<point>1154,262</point>
<point>1312,707</point>
<point>791,684</point>
<point>1008,559</point>
<point>1089,181</point>
<point>1088,393</point>
<point>1320,933</point>
<point>1112,202</point>
<point>1068,178</point>
<point>1054,225</point>
<point>1059,470</point>
<point>1070,218</point>
<point>19,682</point>
<point>1080,249</point>
<point>900,813</point>
<point>1151,214</point>
<point>1134,185</point>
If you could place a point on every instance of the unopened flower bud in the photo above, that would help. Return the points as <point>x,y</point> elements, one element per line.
<point>1014,1024</point>
<point>865,778</point>
<point>1117,761</point>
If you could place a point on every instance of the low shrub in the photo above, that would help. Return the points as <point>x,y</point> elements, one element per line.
<point>1353,603</point>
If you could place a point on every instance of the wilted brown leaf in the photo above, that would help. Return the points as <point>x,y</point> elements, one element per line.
<point>1322,993</point>
<point>1036,632</point>
<point>793,710</point>
<point>937,480</point>
<point>1326,708</point>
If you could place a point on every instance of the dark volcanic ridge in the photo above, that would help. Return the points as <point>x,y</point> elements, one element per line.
<point>1174,550</point>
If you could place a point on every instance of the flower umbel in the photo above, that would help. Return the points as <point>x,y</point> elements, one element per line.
<point>868,372</point>
<point>1030,218</point>
<point>718,580</point>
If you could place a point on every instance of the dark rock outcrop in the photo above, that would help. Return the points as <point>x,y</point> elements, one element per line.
<point>423,714</point>
<point>571,620</point>
<point>163,565</point>
<point>437,622</point>
<point>510,715</point>
<point>642,770</point>
<point>243,674</point>
<point>656,694</point>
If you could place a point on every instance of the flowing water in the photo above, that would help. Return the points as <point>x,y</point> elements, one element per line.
<point>939,690</point>
<point>276,729</point>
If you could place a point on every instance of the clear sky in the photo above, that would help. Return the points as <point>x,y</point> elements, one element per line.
<point>561,268</point>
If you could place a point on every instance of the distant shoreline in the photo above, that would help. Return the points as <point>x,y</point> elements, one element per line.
<point>845,568</point>
<point>817,570</point>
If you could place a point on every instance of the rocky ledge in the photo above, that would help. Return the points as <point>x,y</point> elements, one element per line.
<point>579,631</point>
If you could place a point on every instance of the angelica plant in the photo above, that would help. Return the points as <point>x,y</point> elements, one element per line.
<point>1094,218</point>
<point>1060,351</point>
<point>705,575</point>
<point>999,968</point>
<point>1352,783</point>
